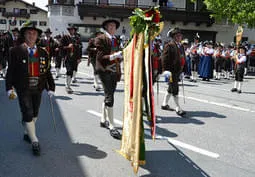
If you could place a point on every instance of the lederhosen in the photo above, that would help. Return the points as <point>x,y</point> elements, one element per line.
<point>29,74</point>
<point>110,74</point>
<point>194,58</point>
<point>58,56</point>
<point>218,61</point>
<point>173,59</point>
<point>239,70</point>
<point>227,61</point>
<point>92,54</point>
<point>71,55</point>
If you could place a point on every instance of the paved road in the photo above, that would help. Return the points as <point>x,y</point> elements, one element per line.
<point>215,139</point>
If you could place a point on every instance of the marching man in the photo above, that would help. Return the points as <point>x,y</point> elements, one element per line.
<point>108,67</point>
<point>240,60</point>
<point>173,61</point>
<point>71,45</point>
<point>28,75</point>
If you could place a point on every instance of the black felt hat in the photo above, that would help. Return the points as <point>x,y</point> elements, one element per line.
<point>173,31</point>
<point>27,26</point>
<point>48,31</point>
<point>111,21</point>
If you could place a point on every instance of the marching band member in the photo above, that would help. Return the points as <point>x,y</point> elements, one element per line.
<point>173,61</point>
<point>27,76</point>
<point>108,67</point>
<point>194,56</point>
<point>240,60</point>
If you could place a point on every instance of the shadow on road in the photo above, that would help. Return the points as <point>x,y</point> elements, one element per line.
<point>178,120</point>
<point>204,114</point>
<point>171,163</point>
<point>60,156</point>
<point>88,93</point>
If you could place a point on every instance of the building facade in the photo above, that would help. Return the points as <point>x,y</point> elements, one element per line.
<point>192,18</point>
<point>13,13</point>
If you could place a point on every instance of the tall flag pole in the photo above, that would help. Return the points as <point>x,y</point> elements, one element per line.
<point>146,26</point>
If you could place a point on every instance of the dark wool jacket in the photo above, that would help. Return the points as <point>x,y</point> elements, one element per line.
<point>104,47</point>
<point>171,58</point>
<point>18,74</point>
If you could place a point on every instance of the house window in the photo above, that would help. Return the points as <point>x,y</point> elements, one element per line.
<point>34,22</point>
<point>103,2</point>
<point>2,21</point>
<point>16,11</point>
<point>33,11</point>
<point>23,11</point>
<point>2,10</point>
<point>43,23</point>
<point>67,11</point>
<point>68,2</point>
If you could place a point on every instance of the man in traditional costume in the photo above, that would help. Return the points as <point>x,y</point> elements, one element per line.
<point>156,63</point>
<point>49,43</point>
<point>173,61</point>
<point>240,60</point>
<point>218,61</point>
<point>108,67</point>
<point>28,75</point>
<point>92,52</point>
<point>58,52</point>
<point>194,57</point>
<point>10,39</point>
<point>71,45</point>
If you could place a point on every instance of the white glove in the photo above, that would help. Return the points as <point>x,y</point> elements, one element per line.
<point>12,94</point>
<point>167,73</point>
<point>116,55</point>
<point>181,77</point>
<point>51,93</point>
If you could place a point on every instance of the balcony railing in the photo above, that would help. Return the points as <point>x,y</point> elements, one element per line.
<point>93,8</point>
<point>11,14</point>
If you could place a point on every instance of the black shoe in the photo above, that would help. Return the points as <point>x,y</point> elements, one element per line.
<point>233,89</point>
<point>104,124</point>
<point>69,90</point>
<point>204,79</point>
<point>26,138</point>
<point>239,91</point>
<point>115,134</point>
<point>36,148</point>
<point>180,113</point>
<point>74,81</point>
<point>167,107</point>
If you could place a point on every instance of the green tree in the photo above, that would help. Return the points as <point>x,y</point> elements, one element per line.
<point>241,12</point>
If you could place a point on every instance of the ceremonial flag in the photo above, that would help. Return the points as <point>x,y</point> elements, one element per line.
<point>138,85</point>
<point>239,35</point>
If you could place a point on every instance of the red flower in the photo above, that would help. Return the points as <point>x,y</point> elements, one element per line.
<point>156,18</point>
<point>149,13</point>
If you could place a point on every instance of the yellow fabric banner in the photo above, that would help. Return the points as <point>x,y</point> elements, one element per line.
<point>132,120</point>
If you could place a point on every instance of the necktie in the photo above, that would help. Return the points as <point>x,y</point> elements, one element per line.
<point>112,41</point>
<point>31,52</point>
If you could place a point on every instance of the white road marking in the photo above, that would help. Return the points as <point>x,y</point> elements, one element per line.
<point>197,99</point>
<point>214,103</point>
<point>170,140</point>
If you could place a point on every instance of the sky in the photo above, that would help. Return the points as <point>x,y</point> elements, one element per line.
<point>39,3</point>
